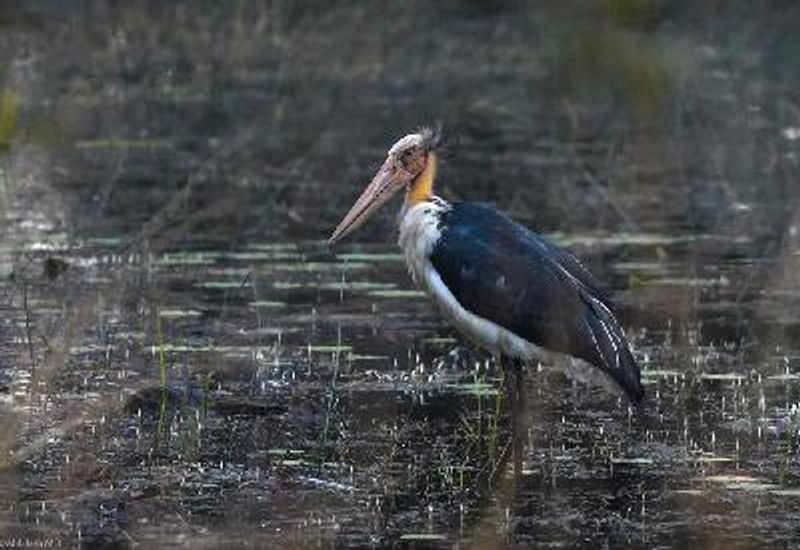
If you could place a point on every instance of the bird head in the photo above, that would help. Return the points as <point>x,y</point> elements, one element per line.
<point>407,161</point>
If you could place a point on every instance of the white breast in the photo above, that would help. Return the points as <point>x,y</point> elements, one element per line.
<point>419,232</point>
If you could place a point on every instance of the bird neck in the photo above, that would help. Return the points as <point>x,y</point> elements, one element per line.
<point>421,189</point>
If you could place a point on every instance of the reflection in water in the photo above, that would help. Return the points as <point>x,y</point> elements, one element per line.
<point>183,360</point>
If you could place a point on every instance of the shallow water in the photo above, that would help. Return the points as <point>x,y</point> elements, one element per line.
<point>183,360</point>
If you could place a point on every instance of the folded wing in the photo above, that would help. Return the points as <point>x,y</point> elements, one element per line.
<point>505,273</point>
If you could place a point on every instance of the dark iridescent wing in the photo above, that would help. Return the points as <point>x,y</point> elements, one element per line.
<point>501,271</point>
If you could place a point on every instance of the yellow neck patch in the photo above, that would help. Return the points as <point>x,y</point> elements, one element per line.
<point>421,188</point>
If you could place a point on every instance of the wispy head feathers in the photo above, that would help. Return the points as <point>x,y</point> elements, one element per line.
<point>434,138</point>
<point>431,137</point>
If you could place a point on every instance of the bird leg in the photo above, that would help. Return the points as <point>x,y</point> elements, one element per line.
<point>515,389</point>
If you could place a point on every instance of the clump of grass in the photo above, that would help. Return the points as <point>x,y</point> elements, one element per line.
<point>483,431</point>
<point>8,118</point>
<point>162,364</point>
<point>326,435</point>
<point>162,353</point>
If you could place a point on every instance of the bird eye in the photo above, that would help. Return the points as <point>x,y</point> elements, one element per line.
<point>408,157</point>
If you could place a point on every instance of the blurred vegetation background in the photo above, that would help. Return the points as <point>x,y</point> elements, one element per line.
<point>621,113</point>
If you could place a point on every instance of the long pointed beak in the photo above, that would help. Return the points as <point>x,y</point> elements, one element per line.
<point>386,183</point>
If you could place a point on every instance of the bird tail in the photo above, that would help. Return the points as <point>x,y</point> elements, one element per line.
<point>614,351</point>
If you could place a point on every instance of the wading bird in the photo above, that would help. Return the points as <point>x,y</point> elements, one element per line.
<point>507,289</point>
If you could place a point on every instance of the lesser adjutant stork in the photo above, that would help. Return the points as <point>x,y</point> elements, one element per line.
<point>507,289</point>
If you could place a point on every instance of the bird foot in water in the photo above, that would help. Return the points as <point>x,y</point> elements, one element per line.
<point>517,408</point>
